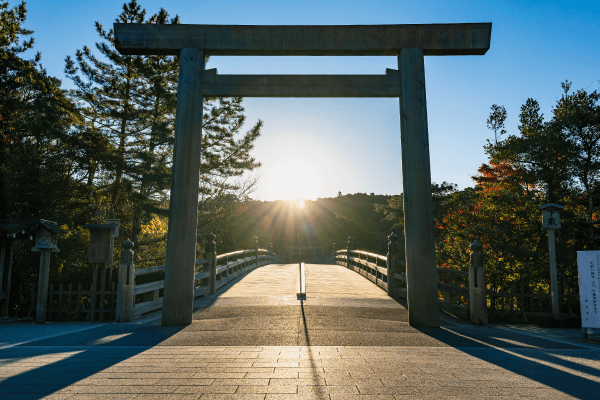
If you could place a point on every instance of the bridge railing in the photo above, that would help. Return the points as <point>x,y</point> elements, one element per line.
<point>211,273</point>
<point>463,293</point>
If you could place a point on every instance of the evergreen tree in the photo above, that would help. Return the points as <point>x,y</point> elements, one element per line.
<point>108,92</point>
<point>540,154</point>
<point>130,102</point>
<point>577,118</point>
<point>35,117</point>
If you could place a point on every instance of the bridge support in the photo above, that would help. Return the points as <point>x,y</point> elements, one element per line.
<point>416,178</point>
<point>178,295</point>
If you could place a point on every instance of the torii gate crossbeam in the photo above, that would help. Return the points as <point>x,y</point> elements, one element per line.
<point>409,42</point>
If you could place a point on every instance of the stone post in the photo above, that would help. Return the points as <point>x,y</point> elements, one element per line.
<point>126,284</point>
<point>211,254</point>
<point>6,275</point>
<point>553,276</point>
<point>392,258</point>
<point>551,221</point>
<point>477,287</point>
<point>45,245</point>
<point>2,257</point>
<point>421,274</point>
<point>42,295</point>
<point>178,295</point>
<point>256,250</point>
<point>349,248</point>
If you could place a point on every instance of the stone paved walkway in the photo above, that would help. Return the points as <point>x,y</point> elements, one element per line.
<point>255,340</point>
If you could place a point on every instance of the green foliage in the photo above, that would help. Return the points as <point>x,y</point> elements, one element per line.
<point>319,223</point>
<point>496,121</point>
<point>577,119</point>
<point>104,149</point>
<point>555,161</point>
<point>128,106</point>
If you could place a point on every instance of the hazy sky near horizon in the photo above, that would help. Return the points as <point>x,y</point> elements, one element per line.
<point>316,147</point>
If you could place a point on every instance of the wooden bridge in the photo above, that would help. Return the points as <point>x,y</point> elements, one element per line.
<point>350,278</point>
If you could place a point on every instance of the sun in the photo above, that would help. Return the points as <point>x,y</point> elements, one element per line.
<point>292,179</point>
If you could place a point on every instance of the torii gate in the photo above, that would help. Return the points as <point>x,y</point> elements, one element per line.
<point>409,42</point>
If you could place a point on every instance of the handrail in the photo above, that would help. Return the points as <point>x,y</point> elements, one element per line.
<point>149,270</point>
<point>462,274</point>
<point>210,277</point>
<point>367,264</point>
<point>373,255</point>
<point>161,268</point>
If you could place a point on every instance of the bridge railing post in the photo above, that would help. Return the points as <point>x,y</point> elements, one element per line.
<point>210,253</point>
<point>477,287</point>
<point>334,254</point>
<point>126,284</point>
<point>392,258</point>
<point>350,248</point>
<point>257,264</point>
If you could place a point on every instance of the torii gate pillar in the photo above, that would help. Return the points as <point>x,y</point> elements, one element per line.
<point>421,272</point>
<point>178,296</point>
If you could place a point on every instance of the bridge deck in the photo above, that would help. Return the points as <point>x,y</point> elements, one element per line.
<point>256,340</point>
<point>326,285</point>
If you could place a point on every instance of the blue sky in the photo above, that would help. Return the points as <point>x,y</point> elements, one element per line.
<point>316,147</point>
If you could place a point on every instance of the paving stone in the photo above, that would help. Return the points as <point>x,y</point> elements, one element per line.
<point>107,396</point>
<point>53,396</point>
<point>449,391</point>
<point>279,375</point>
<point>206,389</point>
<point>354,382</point>
<point>361,397</point>
<point>244,381</point>
<point>426,397</point>
<point>171,396</point>
<point>219,375</point>
<point>325,375</point>
<point>119,389</point>
<point>268,389</point>
<point>185,381</point>
<point>280,396</point>
<point>402,390</point>
<point>115,382</point>
<point>297,382</point>
<point>235,396</point>
<point>309,390</point>
<point>254,370</point>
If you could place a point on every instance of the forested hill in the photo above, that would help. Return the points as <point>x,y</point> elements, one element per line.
<point>319,223</point>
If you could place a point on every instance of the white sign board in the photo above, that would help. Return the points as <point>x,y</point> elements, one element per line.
<point>588,263</point>
<point>550,219</point>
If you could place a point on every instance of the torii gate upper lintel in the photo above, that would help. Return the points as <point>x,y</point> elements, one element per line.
<point>409,42</point>
<point>304,40</point>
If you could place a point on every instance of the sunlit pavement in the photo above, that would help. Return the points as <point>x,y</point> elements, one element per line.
<point>254,340</point>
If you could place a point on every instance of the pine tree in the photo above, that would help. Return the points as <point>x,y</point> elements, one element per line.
<point>130,101</point>
<point>35,117</point>
<point>577,118</point>
<point>107,92</point>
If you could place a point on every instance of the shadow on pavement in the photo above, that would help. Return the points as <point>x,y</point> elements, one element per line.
<point>548,363</point>
<point>64,360</point>
<point>209,300</point>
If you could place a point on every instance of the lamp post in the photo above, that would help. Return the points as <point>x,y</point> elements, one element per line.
<point>551,221</point>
